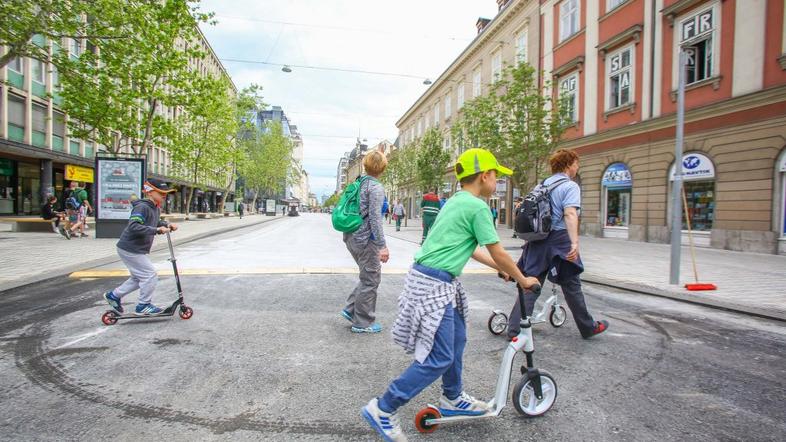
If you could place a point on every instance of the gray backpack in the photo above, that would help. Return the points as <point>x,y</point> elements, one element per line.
<point>534,221</point>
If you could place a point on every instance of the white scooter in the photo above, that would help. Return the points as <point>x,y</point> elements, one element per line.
<point>533,395</point>
<point>498,321</point>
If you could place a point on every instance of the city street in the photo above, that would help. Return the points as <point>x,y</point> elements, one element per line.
<point>267,356</point>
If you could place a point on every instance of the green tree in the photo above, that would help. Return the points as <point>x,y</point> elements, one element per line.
<point>432,160</point>
<point>269,165</point>
<point>201,140</point>
<point>125,92</point>
<point>516,121</point>
<point>332,200</point>
<point>402,167</point>
<point>27,24</point>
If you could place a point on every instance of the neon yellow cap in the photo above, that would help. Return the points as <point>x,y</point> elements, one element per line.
<point>475,161</point>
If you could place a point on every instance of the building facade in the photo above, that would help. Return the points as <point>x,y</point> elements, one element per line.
<point>617,61</point>
<point>276,114</point>
<point>510,38</point>
<point>39,157</point>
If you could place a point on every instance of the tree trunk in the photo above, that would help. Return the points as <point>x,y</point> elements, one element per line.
<point>188,201</point>
<point>254,201</point>
<point>229,186</point>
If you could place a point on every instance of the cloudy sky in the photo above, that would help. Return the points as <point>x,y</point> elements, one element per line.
<point>332,108</point>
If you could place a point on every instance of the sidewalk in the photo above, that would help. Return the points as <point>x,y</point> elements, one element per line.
<point>747,282</point>
<point>31,257</point>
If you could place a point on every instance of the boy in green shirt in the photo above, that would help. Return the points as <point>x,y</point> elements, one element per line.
<point>433,307</point>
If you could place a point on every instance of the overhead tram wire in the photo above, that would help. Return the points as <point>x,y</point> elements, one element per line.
<point>339,28</point>
<point>325,68</point>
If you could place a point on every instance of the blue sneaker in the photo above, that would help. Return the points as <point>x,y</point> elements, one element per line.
<point>464,405</point>
<point>373,328</point>
<point>386,424</point>
<point>346,315</point>
<point>113,302</point>
<point>147,310</point>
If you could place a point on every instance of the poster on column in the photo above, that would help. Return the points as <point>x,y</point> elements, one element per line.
<point>120,182</point>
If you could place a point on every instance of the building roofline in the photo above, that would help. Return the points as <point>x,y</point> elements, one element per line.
<point>490,29</point>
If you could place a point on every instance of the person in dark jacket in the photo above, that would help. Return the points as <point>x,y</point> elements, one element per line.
<point>240,208</point>
<point>430,207</point>
<point>48,212</point>
<point>134,246</point>
<point>558,255</point>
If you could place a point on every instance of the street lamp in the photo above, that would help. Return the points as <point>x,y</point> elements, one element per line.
<point>676,208</point>
<point>427,82</point>
<point>286,69</point>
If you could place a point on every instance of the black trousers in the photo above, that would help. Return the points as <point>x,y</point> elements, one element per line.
<point>574,297</point>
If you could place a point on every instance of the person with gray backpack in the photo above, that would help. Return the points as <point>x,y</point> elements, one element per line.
<point>548,220</point>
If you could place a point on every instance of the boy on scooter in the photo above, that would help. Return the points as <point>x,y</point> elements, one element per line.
<point>433,307</point>
<point>134,246</point>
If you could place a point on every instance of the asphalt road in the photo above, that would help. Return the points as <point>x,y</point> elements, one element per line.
<point>267,357</point>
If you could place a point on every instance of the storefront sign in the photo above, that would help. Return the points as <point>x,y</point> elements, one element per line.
<point>6,167</point>
<point>617,175</point>
<point>695,166</point>
<point>79,173</point>
<point>119,182</point>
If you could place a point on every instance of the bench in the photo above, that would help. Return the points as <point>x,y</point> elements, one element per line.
<point>34,224</point>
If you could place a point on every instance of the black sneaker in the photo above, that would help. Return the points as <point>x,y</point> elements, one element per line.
<point>67,233</point>
<point>600,327</point>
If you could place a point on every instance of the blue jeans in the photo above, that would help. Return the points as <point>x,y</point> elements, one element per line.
<point>444,360</point>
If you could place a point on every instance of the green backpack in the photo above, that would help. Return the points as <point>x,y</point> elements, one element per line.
<point>346,215</point>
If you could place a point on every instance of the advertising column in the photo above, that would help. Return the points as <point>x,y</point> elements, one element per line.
<point>119,182</point>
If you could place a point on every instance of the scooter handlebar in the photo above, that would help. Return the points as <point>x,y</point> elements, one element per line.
<point>534,289</point>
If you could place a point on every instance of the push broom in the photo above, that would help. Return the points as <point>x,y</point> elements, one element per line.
<point>695,286</point>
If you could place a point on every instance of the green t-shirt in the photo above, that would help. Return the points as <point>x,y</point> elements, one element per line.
<point>462,224</point>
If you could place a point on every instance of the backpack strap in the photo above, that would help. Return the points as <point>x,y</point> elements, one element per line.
<point>363,180</point>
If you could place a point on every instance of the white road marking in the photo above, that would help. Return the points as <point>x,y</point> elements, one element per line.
<point>81,338</point>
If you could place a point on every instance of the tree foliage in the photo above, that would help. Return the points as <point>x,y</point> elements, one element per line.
<point>431,159</point>
<point>402,167</point>
<point>269,166</point>
<point>518,121</point>
<point>121,93</point>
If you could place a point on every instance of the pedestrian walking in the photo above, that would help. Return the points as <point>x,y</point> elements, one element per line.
<point>49,213</point>
<point>516,210</point>
<point>368,248</point>
<point>398,214</point>
<point>433,307</point>
<point>240,209</point>
<point>134,246</point>
<point>385,208</point>
<point>429,205</point>
<point>494,215</point>
<point>557,256</point>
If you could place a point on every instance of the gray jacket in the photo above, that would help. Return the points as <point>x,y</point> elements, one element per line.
<point>372,194</point>
<point>142,226</point>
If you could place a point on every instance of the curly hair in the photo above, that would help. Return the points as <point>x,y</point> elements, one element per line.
<point>561,159</point>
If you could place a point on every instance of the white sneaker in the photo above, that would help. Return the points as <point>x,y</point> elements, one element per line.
<point>56,230</point>
<point>464,405</point>
<point>386,424</point>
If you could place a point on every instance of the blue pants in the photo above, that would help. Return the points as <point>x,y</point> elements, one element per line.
<point>444,360</point>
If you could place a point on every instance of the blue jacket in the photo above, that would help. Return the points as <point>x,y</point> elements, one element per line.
<point>549,255</point>
<point>142,227</point>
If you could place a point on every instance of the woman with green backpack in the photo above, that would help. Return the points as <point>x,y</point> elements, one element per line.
<point>359,215</point>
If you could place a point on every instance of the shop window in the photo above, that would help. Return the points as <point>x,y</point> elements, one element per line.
<point>617,184</point>
<point>697,34</point>
<point>568,19</point>
<point>699,186</point>
<point>620,78</point>
<point>16,118</point>
<point>569,92</point>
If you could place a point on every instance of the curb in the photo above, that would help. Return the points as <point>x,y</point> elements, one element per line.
<point>65,271</point>
<point>767,313</point>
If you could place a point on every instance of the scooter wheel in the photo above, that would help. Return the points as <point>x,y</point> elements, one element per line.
<point>424,415</point>
<point>527,403</point>
<point>558,316</point>
<point>186,312</point>
<point>498,322</point>
<point>109,318</point>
